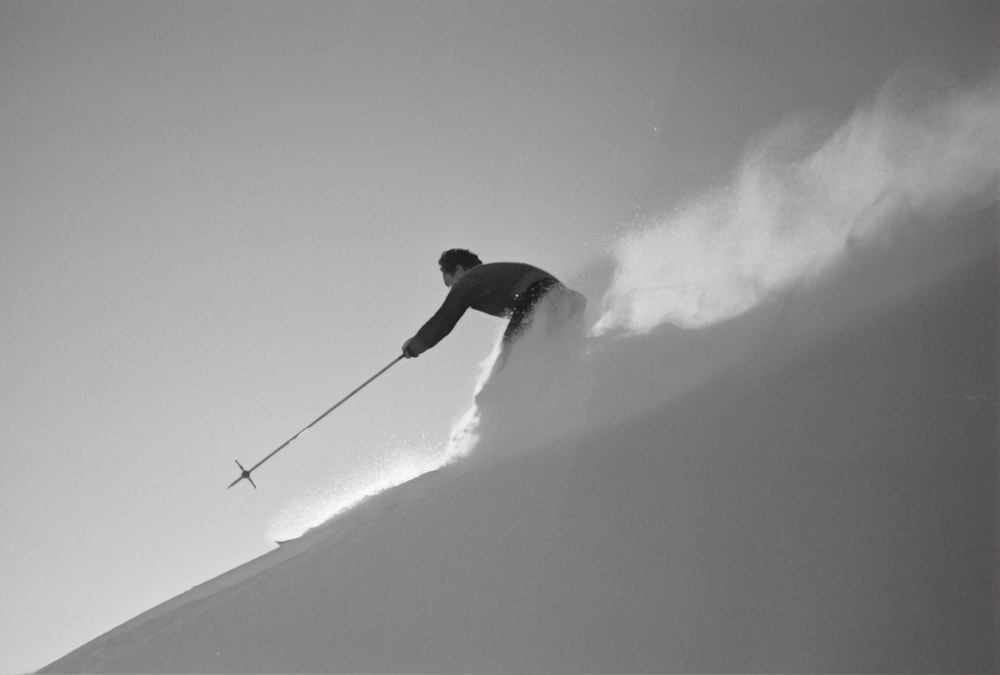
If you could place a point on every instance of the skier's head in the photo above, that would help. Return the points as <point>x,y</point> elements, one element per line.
<point>455,262</point>
<point>455,257</point>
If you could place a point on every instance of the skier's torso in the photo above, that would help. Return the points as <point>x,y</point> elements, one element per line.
<point>493,287</point>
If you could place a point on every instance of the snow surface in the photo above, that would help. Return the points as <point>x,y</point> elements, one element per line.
<point>809,486</point>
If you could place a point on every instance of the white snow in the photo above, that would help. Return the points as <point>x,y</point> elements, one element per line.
<point>809,486</point>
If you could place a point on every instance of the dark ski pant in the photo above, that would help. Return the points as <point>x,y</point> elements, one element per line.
<point>564,308</point>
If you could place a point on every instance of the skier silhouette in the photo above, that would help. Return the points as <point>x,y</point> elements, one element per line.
<point>517,291</point>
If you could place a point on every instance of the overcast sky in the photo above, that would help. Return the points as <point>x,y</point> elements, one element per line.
<point>217,218</point>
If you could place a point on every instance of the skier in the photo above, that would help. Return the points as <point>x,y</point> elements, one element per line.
<point>516,291</point>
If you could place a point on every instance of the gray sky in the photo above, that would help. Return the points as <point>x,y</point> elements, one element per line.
<point>217,218</point>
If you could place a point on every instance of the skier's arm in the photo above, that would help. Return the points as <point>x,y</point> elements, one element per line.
<point>438,326</point>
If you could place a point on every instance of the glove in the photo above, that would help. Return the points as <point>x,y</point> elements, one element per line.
<point>408,350</point>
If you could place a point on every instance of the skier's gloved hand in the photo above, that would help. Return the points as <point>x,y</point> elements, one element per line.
<point>409,349</point>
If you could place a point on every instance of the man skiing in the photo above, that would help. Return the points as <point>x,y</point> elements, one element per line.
<point>516,291</point>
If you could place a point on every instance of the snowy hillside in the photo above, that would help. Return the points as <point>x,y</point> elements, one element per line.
<point>810,486</point>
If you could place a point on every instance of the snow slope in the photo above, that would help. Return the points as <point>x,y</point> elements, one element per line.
<point>811,486</point>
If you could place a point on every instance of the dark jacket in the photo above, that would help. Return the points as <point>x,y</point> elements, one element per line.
<point>493,288</point>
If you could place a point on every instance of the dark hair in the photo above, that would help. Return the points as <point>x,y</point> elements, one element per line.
<point>454,257</point>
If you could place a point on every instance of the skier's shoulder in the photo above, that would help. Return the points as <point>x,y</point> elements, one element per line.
<point>506,270</point>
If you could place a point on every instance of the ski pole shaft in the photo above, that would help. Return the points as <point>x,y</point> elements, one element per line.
<point>246,472</point>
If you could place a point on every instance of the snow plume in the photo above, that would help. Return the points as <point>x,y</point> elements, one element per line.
<point>391,465</point>
<point>465,432</point>
<point>918,152</point>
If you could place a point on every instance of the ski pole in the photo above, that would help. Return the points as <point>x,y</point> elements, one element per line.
<point>245,473</point>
